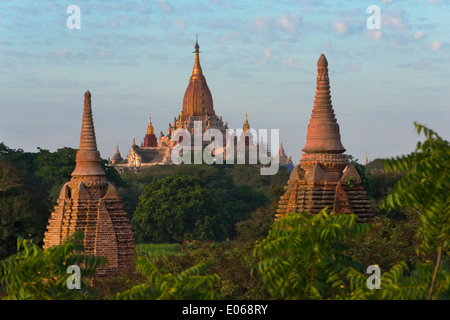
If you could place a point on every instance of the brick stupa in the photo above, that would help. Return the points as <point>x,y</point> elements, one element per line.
<point>324,177</point>
<point>90,203</point>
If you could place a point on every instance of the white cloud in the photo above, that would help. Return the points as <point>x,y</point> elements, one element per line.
<point>374,35</point>
<point>435,46</point>
<point>289,23</point>
<point>392,21</point>
<point>340,27</point>
<point>419,35</point>
<point>165,6</point>
<point>63,53</point>
<point>181,23</point>
<point>267,56</point>
<point>290,63</point>
<point>354,66</point>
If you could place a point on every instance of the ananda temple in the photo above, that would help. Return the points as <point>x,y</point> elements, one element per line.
<point>197,107</point>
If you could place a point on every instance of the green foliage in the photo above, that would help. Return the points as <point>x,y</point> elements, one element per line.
<point>23,208</point>
<point>425,187</point>
<point>387,243</point>
<point>400,284</point>
<point>157,250</point>
<point>415,287</point>
<point>176,209</point>
<point>55,167</point>
<point>366,180</point>
<point>383,184</point>
<point>210,188</point>
<point>304,257</point>
<point>225,180</point>
<point>36,274</point>
<point>232,261</point>
<point>376,164</point>
<point>187,285</point>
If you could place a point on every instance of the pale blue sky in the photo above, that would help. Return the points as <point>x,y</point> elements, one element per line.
<point>258,57</point>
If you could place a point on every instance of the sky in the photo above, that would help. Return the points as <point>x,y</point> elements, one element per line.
<point>258,57</point>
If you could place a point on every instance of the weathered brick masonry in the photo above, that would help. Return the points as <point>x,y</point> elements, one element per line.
<point>88,202</point>
<point>324,177</point>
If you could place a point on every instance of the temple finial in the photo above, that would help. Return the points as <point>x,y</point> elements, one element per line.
<point>150,126</point>
<point>196,42</point>
<point>246,124</point>
<point>197,72</point>
<point>322,63</point>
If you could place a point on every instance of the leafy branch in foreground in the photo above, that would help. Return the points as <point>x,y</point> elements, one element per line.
<point>36,274</point>
<point>304,257</point>
<point>161,285</point>
<point>424,188</point>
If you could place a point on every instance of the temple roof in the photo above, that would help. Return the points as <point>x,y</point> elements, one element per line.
<point>197,98</point>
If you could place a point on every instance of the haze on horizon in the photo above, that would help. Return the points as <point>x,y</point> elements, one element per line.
<point>258,58</point>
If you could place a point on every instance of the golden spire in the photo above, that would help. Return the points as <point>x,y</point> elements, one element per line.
<point>179,122</point>
<point>197,73</point>
<point>150,126</point>
<point>197,99</point>
<point>246,124</point>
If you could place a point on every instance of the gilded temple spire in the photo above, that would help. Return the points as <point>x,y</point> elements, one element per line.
<point>150,129</point>
<point>197,99</point>
<point>246,124</point>
<point>197,72</point>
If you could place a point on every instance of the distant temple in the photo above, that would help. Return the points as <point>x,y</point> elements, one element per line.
<point>283,159</point>
<point>197,106</point>
<point>324,177</point>
<point>88,202</point>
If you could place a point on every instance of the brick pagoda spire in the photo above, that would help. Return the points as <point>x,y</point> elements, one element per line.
<point>324,177</point>
<point>88,202</point>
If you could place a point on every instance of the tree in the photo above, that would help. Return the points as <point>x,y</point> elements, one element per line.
<point>424,189</point>
<point>36,274</point>
<point>178,208</point>
<point>189,284</point>
<point>304,257</point>
<point>23,208</point>
<point>366,180</point>
<point>55,167</point>
<point>8,179</point>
